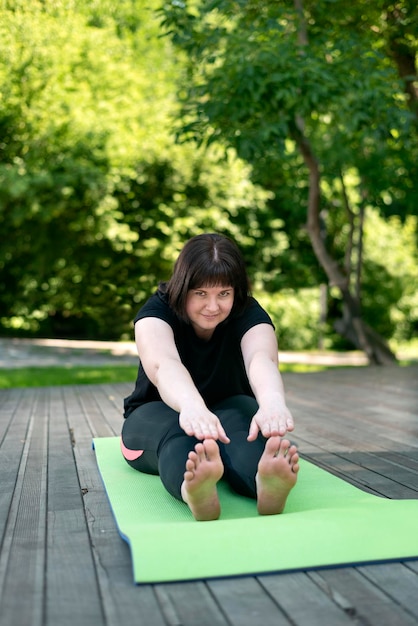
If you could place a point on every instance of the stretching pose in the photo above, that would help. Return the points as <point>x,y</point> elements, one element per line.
<point>209,399</point>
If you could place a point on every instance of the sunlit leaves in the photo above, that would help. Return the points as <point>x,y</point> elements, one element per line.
<point>258,67</point>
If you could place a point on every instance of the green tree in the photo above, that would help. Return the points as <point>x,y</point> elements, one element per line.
<point>291,89</point>
<point>95,197</point>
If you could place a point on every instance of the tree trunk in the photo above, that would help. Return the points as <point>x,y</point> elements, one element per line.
<point>361,335</point>
<point>401,49</point>
<point>351,326</point>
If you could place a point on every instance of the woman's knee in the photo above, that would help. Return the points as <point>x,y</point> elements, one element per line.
<point>141,460</point>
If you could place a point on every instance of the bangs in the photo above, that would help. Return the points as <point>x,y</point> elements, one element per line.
<point>218,274</point>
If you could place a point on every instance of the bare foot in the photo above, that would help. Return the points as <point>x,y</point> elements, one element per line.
<point>276,475</point>
<point>204,469</point>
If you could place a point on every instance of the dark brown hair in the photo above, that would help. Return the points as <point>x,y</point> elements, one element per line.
<point>208,260</point>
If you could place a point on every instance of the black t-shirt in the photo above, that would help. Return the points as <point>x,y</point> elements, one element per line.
<point>216,366</point>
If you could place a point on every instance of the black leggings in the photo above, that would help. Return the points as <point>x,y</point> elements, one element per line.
<point>153,442</point>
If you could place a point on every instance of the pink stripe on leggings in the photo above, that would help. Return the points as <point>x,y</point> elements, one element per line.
<point>130,455</point>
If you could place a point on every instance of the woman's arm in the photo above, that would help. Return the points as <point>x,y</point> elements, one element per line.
<point>260,353</point>
<point>162,364</point>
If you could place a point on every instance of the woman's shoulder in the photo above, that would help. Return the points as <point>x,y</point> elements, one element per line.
<point>252,315</point>
<point>253,307</point>
<point>156,306</point>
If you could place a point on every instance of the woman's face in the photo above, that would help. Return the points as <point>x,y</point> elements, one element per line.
<point>206,307</point>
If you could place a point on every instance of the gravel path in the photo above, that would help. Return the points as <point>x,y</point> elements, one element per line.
<point>15,353</point>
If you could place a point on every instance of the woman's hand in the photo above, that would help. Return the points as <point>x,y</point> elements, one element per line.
<point>202,424</point>
<point>260,353</point>
<point>275,421</point>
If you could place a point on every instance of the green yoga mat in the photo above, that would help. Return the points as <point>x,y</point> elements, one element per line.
<point>327,522</point>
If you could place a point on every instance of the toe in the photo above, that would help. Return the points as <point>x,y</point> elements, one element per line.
<point>273,445</point>
<point>190,465</point>
<point>200,452</point>
<point>211,449</point>
<point>285,445</point>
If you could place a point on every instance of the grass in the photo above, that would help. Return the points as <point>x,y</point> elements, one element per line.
<point>53,376</point>
<point>75,375</point>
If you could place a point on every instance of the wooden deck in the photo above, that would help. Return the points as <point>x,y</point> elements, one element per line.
<point>63,562</point>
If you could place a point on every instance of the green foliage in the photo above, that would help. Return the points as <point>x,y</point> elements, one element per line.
<point>392,311</point>
<point>97,198</point>
<point>295,315</point>
<point>391,264</point>
<point>257,71</point>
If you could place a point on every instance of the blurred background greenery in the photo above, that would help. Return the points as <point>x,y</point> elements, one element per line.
<point>127,127</point>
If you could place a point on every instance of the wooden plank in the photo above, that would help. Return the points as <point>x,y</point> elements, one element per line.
<point>23,553</point>
<point>123,602</point>
<point>362,426</point>
<point>245,604</point>
<point>72,591</point>
<point>412,565</point>
<point>341,434</point>
<point>380,464</point>
<point>364,476</point>
<point>92,410</point>
<point>347,421</point>
<point>305,602</point>
<point>111,406</point>
<point>370,473</point>
<point>16,408</point>
<point>400,584</point>
<point>9,401</point>
<point>182,603</point>
<point>361,599</point>
<point>364,464</point>
<point>359,386</point>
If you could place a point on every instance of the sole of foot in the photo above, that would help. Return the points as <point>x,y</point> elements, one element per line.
<point>204,469</point>
<point>276,476</point>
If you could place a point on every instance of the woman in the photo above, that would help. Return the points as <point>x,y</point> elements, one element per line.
<point>209,399</point>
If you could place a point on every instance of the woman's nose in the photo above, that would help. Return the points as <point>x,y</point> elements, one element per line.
<point>212,304</point>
